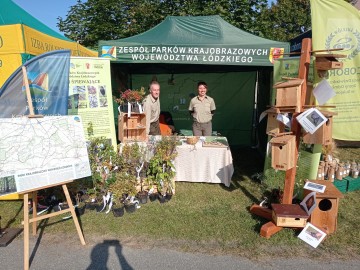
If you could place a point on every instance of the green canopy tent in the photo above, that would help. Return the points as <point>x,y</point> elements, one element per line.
<point>181,51</point>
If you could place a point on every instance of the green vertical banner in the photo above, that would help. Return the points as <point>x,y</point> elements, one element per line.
<point>90,96</point>
<point>336,24</point>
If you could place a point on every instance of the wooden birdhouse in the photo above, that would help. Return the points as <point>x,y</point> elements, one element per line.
<point>325,213</point>
<point>328,61</point>
<point>283,152</point>
<point>273,126</point>
<point>323,135</point>
<point>288,94</point>
<point>289,215</point>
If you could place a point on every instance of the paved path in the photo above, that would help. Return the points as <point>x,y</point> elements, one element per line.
<point>47,253</point>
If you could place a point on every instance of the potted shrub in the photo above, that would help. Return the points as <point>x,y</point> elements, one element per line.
<point>161,169</point>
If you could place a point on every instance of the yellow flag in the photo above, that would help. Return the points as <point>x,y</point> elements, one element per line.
<point>336,24</point>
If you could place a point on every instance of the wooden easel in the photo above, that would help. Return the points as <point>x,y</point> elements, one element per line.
<point>36,218</point>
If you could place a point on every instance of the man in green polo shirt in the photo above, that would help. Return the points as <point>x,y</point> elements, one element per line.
<point>202,108</point>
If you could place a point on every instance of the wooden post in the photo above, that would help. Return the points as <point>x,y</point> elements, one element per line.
<point>27,90</point>
<point>268,229</point>
<point>26,231</point>
<point>73,213</point>
<point>34,207</point>
<point>295,127</point>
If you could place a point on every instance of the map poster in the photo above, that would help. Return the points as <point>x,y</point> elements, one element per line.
<point>41,152</point>
<point>90,96</point>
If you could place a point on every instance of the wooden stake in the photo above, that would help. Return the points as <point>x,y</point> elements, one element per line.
<point>27,90</point>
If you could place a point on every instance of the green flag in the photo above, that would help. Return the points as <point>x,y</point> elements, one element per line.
<point>336,24</point>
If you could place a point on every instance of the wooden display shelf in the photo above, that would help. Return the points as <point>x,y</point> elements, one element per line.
<point>133,127</point>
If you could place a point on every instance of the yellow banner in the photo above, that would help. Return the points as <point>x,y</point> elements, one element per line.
<point>11,40</point>
<point>90,96</point>
<point>336,24</point>
<point>8,64</point>
<point>83,51</point>
<point>37,43</point>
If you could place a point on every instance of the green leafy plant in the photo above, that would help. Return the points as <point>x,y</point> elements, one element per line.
<point>104,162</point>
<point>161,170</point>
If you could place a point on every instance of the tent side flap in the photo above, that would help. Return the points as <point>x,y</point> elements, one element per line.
<point>11,40</point>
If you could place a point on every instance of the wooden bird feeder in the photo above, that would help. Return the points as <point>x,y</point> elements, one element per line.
<point>328,61</point>
<point>289,93</point>
<point>323,135</point>
<point>325,213</point>
<point>283,152</point>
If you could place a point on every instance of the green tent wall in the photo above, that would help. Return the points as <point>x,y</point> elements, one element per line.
<point>181,51</point>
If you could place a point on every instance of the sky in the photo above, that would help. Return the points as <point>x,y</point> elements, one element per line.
<point>47,11</point>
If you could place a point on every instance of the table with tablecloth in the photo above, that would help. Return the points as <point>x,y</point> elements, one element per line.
<point>196,163</point>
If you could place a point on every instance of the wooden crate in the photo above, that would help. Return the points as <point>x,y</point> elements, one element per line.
<point>341,185</point>
<point>283,152</point>
<point>289,94</point>
<point>289,215</point>
<point>132,128</point>
<point>325,213</point>
<point>353,183</point>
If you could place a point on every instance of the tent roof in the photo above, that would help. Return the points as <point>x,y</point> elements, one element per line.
<point>211,35</point>
<point>194,30</point>
<point>11,13</point>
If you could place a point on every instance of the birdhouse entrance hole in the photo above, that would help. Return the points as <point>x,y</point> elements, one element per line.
<point>325,205</point>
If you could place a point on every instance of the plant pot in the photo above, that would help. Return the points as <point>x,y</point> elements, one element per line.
<point>80,210</point>
<point>168,196</point>
<point>162,198</point>
<point>130,208</point>
<point>142,196</point>
<point>133,108</point>
<point>118,211</point>
<point>153,197</point>
<point>92,205</point>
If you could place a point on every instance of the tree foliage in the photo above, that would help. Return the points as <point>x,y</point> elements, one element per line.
<point>285,19</point>
<point>90,21</point>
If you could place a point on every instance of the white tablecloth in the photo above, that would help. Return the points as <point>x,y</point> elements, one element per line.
<point>203,164</point>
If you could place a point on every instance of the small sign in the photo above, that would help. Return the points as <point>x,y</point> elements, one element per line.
<point>315,187</point>
<point>312,235</point>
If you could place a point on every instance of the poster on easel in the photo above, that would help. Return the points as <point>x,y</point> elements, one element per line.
<point>90,96</point>
<point>41,152</point>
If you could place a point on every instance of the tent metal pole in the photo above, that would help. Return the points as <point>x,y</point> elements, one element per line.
<point>254,131</point>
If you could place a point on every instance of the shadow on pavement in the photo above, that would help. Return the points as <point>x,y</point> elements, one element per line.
<point>100,255</point>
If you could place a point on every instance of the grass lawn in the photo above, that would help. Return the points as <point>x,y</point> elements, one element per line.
<point>211,218</point>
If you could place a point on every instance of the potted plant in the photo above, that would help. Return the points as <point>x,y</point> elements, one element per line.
<point>133,98</point>
<point>104,163</point>
<point>161,169</point>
